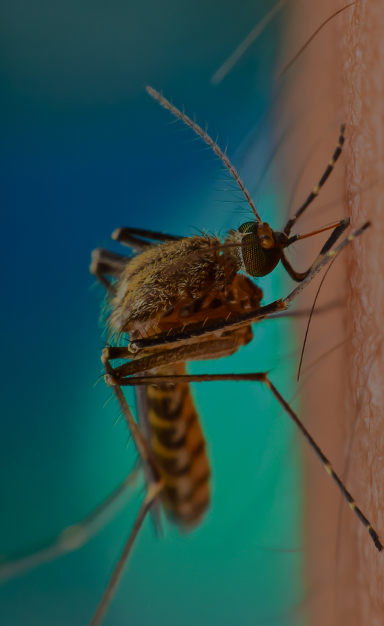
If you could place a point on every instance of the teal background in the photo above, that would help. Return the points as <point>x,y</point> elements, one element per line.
<point>83,151</point>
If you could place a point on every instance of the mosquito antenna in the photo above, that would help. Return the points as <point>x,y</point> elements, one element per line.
<point>243,47</point>
<point>288,64</point>
<point>309,321</point>
<point>208,140</point>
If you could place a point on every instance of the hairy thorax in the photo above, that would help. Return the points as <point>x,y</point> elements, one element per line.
<point>177,284</point>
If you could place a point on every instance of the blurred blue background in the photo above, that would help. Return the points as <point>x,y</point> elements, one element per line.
<point>83,151</point>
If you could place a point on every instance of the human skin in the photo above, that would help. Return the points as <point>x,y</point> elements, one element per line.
<point>340,78</point>
<point>363,55</point>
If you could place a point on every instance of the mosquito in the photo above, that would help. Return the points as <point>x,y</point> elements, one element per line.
<point>175,300</point>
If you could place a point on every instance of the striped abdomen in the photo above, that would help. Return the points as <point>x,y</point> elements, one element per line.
<point>178,445</point>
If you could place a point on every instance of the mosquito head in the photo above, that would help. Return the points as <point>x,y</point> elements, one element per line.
<point>265,248</point>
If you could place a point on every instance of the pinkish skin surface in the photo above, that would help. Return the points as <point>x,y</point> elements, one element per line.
<point>340,78</point>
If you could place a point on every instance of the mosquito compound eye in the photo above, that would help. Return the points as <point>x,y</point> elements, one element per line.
<point>253,257</point>
<point>248,227</point>
<point>261,256</point>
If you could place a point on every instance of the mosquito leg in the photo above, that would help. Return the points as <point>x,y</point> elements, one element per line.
<point>104,281</point>
<point>123,236</point>
<point>104,262</point>
<point>140,441</point>
<point>135,237</point>
<point>299,276</point>
<point>190,378</point>
<point>215,348</point>
<point>306,312</point>
<point>107,262</point>
<point>327,466</point>
<point>152,494</point>
<point>154,488</point>
<point>251,316</point>
<point>330,255</point>
<point>291,222</point>
<point>263,377</point>
<point>71,538</point>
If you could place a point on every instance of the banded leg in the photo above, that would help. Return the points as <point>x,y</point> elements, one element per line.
<point>154,488</point>
<point>215,349</point>
<point>263,377</point>
<point>252,316</point>
<point>299,276</point>
<point>152,494</point>
<point>71,538</point>
<point>291,222</point>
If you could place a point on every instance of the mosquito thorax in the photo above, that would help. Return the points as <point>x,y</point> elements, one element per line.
<point>264,251</point>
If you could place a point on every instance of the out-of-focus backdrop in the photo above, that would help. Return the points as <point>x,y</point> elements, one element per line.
<point>85,150</point>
